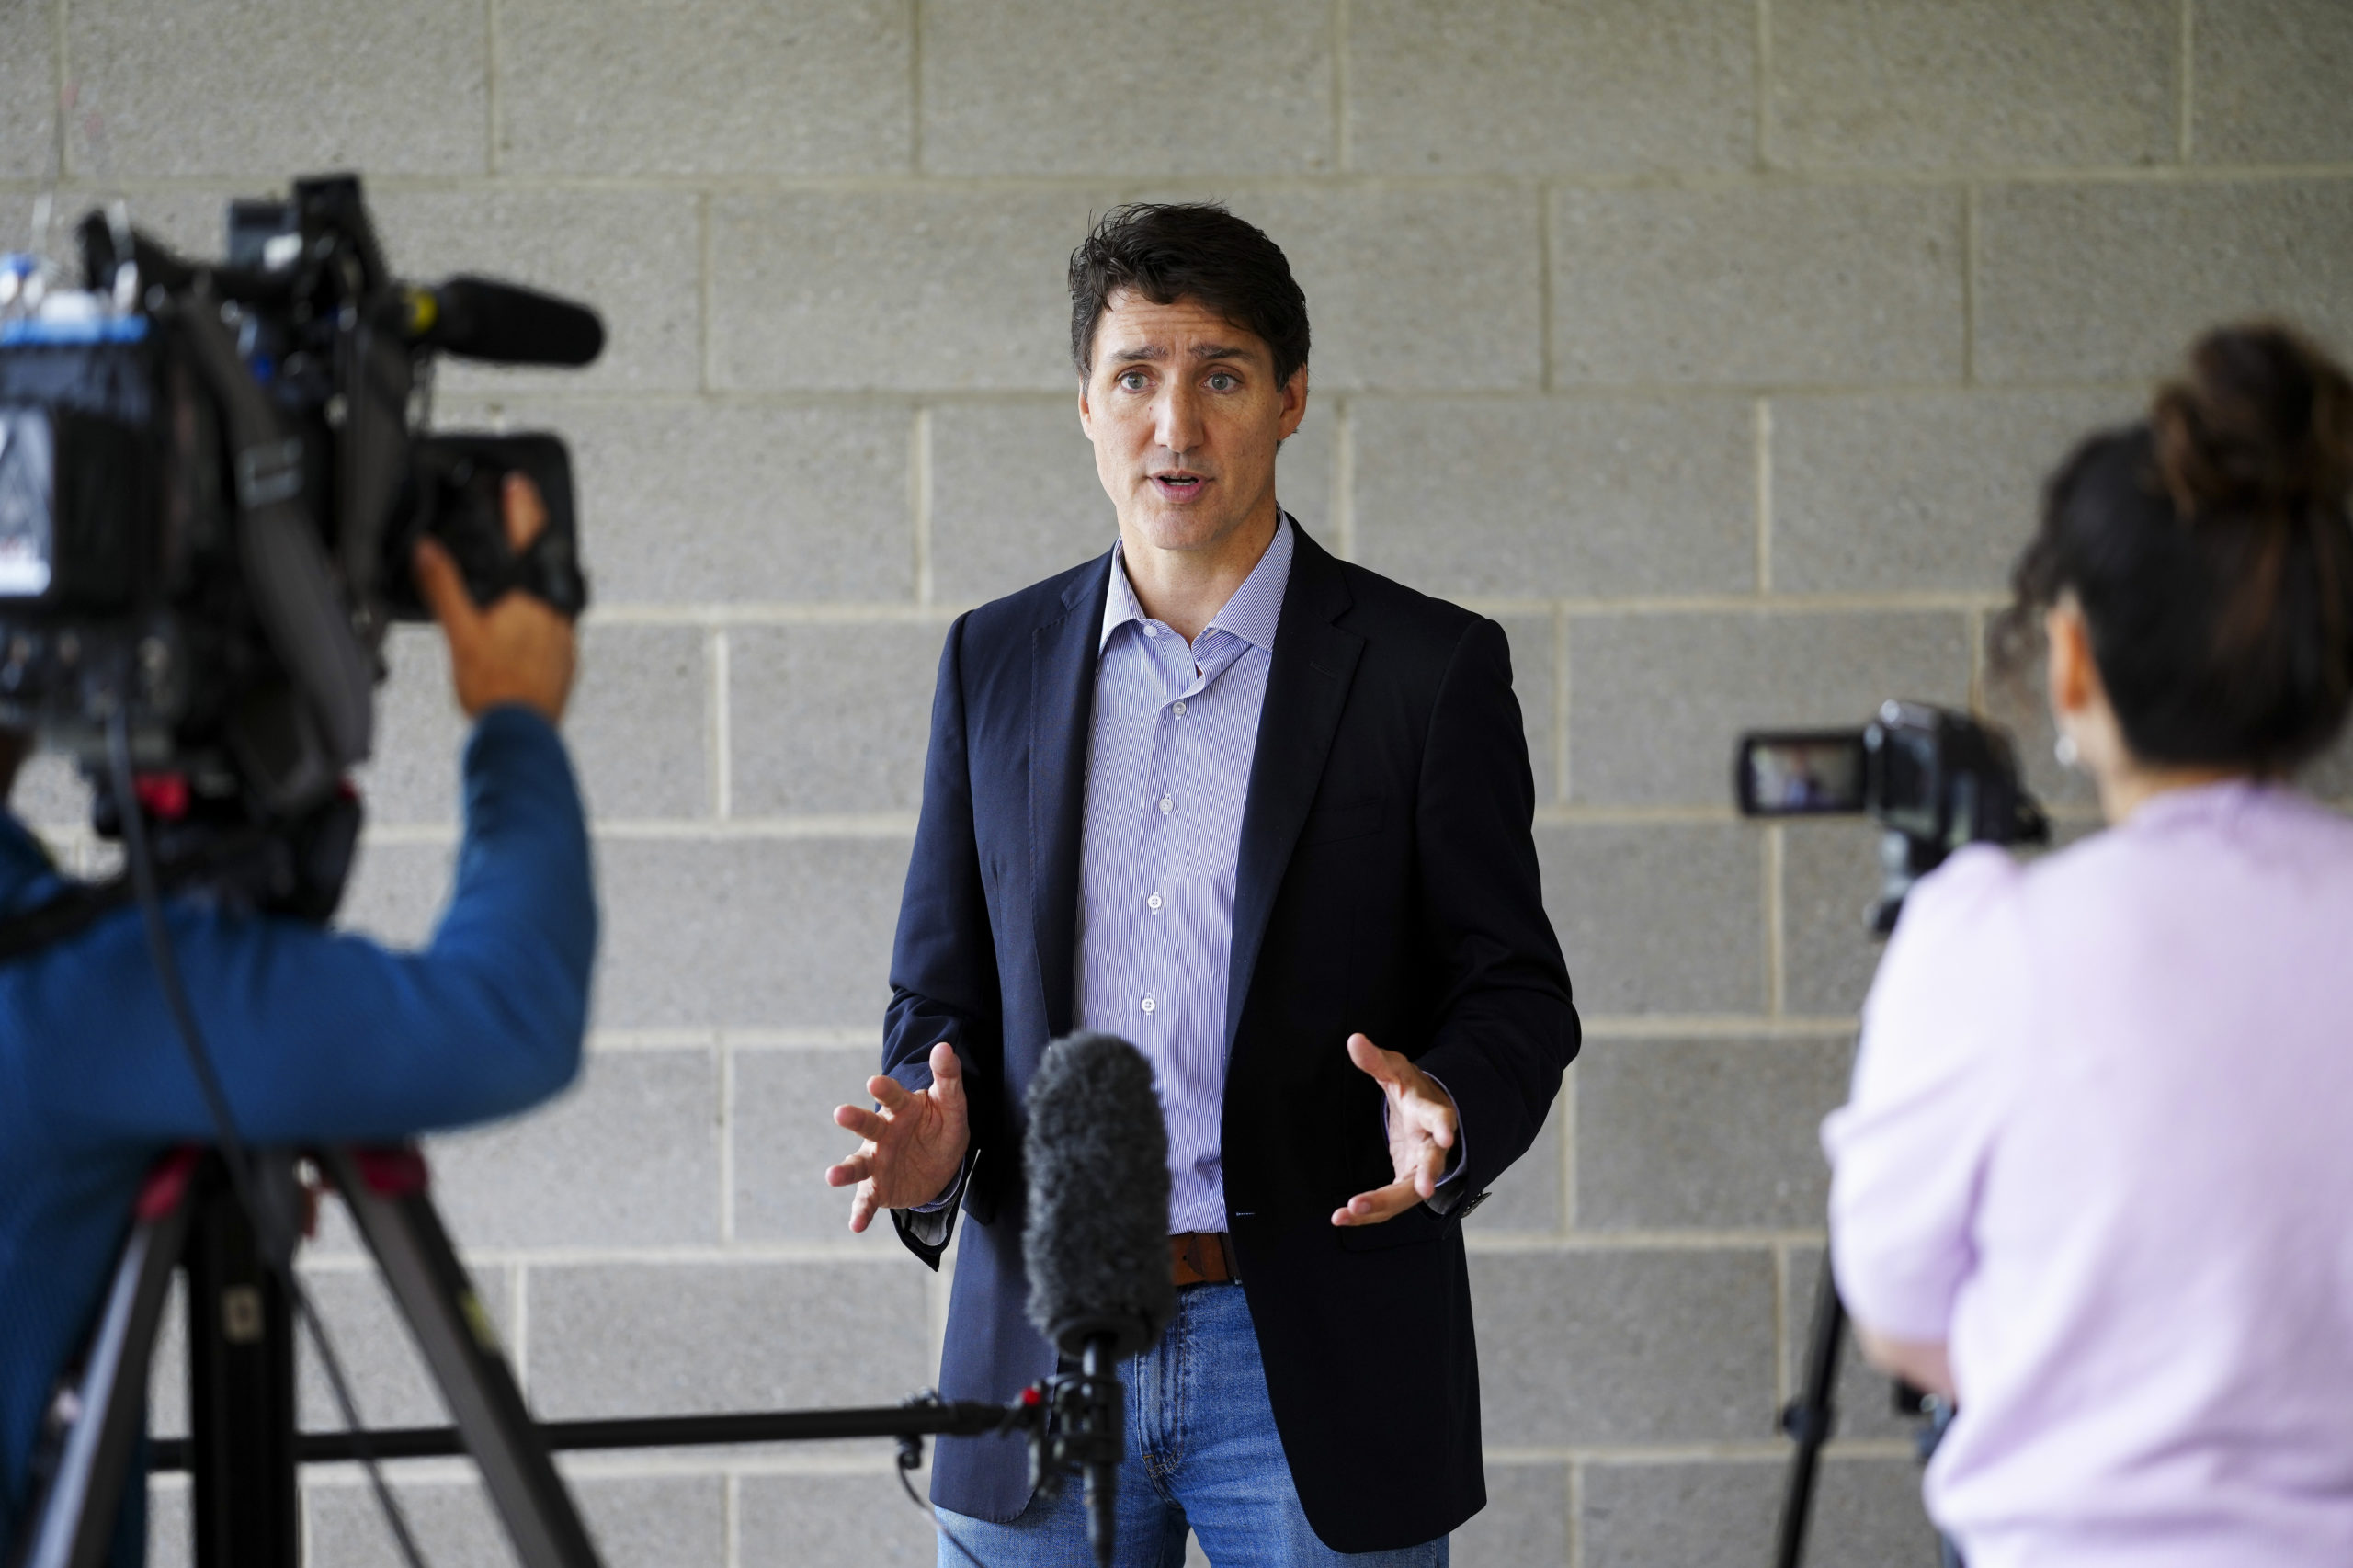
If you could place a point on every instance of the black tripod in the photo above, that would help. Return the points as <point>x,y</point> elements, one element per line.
<point>1810,1415</point>
<point>244,1450</point>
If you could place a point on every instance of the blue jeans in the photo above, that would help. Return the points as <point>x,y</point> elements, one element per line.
<point>1203,1452</point>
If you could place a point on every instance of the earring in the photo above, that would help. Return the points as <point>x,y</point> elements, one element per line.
<point>2063,748</point>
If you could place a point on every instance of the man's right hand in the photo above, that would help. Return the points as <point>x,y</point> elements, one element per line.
<point>517,650</point>
<point>913,1144</point>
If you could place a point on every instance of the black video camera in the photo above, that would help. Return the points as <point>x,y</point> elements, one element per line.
<point>212,477</point>
<point>1935,780</point>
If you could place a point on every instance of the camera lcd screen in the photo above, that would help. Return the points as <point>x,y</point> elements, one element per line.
<point>1801,774</point>
<point>27,486</point>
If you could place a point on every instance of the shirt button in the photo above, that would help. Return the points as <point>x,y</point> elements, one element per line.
<point>1152,903</point>
<point>1150,630</point>
<point>1167,804</point>
<point>1150,1005</point>
<point>1179,709</point>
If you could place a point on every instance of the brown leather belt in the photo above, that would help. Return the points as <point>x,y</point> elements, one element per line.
<point>1202,1258</point>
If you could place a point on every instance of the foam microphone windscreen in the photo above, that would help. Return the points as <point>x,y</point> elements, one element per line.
<point>480,318</point>
<point>1096,1242</point>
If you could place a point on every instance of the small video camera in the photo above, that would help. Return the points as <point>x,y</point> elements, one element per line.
<point>1933,779</point>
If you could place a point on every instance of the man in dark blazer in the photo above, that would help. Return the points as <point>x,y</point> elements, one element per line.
<point>1266,814</point>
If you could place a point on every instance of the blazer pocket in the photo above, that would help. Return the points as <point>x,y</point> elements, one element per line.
<point>1332,823</point>
<point>1415,1226</point>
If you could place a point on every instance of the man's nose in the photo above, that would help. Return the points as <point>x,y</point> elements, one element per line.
<point>1179,424</point>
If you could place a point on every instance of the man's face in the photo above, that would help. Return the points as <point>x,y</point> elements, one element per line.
<point>1185,414</point>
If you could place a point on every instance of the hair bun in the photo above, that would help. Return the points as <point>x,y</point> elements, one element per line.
<point>2263,423</point>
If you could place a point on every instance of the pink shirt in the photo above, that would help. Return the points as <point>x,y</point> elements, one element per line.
<point>2100,1141</point>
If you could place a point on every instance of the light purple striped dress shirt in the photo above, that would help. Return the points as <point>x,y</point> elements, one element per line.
<point>1167,770</point>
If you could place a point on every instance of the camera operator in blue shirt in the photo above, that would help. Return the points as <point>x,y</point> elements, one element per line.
<point>316,1037</point>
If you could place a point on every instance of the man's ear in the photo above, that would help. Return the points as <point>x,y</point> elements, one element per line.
<point>1294,403</point>
<point>1085,412</point>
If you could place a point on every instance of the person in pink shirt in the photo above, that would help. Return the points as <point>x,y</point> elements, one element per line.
<point>2095,1179</point>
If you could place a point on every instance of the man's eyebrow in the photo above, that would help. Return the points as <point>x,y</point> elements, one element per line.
<point>1141,351</point>
<point>1220,351</point>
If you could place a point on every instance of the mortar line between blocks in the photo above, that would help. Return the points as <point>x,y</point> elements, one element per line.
<point>1546,381</point>
<point>518,1319</point>
<point>1343,155</point>
<point>2184,83</point>
<point>723,737</point>
<point>490,87</point>
<point>1782,1390</point>
<point>731,1519</point>
<point>1567,1174</point>
<point>1763,424</point>
<point>1775,937</point>
<point>61,70</point>
<point>726,1144</point>
<point>1561,795</point>
<point>1763,84</point>
<point>915,86</point>
<point>1968,226</point>
<point>919,499</point>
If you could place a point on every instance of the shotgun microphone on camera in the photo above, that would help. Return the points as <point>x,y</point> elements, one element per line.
<point>479,318</point>
<point>1095,1241</point>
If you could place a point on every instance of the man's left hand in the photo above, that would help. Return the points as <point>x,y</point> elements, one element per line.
<point>1422,1130</point>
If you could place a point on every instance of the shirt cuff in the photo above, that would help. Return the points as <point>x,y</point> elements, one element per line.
<point>947,1200</point>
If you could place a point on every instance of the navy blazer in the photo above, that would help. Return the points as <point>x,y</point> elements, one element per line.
<point>1387,883</point>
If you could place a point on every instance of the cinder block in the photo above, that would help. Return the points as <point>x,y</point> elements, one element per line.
<point>2111,282</point>
<point>221,87</point>
<point>618,1339</point>
<point>1830,882</point>
<point>1658,700</point>
<point>800,89</point>
<point>27,100</point>
<point>397,891</point>
<point>414,774</point>
<point>388,1377</point>
<point>1525,1523</point>
<point>1524,88</point>
<point>1854,285</point>
<point>670,1521</point>
<point>1929,84</point>
<point>1642,1346</point>
<point>1414,288</point>
<point>51,793</point>
<point>1919,492</point>
<point>785,1137</point>
<point>692,501</point>
<point>1527,1197</point>
<point>1717,1134</point>
<point>1657,918</point>
<point>639,724</point>
<point>634,255</point>
<point>2330,777</point>
<point>1527,496</point>
<point>2269,79</point>
<point>1014,495</point>
<point>1869,1513</point>
<point>786,1521</point>
<point>830,718</point>
<point>628,1156</point>
<point>1862,1400</point>
<point>1641,1513</point>
<point>1032,87</point>
<point>1534,680</point>
<point>747,932</point>
<point>952,291</point>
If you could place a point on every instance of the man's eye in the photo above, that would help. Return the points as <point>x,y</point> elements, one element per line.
<point>1220,381</point>
<point>1132,381</point>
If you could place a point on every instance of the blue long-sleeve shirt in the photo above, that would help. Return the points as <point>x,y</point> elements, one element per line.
<point>317,1038</point>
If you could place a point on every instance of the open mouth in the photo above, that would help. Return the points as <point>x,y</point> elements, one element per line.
<point>1178,486</point>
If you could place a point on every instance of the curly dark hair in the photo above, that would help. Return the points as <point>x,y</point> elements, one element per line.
<point>1172,251</point>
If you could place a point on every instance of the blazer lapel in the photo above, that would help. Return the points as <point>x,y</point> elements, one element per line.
<point>1062,655</point>
<point>1307,685</point>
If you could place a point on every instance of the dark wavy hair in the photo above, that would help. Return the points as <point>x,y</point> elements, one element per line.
<point>2211,551</point>
<point>1172,251</point>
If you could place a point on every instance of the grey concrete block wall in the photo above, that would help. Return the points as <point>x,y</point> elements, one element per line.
<point>1717,348</point>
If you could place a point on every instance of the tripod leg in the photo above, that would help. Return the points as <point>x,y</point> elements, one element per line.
<point>97,1420</point>
<point>244,1485</point>
<point>386,1192</point>
<point>1809,1417</point>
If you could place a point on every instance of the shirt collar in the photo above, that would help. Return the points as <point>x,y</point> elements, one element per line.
<point>1252,614</point>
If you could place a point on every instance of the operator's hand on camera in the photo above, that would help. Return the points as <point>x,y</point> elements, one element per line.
<point>913,1144</point>
<point>517,650</point>
<point>1422,1128</point>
